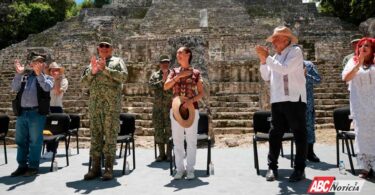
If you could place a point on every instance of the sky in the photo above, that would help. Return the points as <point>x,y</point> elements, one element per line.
<point>78,1</point>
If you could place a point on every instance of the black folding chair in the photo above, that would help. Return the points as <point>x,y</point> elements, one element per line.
<point>126,135</point>
<point>262,126</point>
<point>58,124</point>
<point>4,127</point>
<point>342,121</point>
<point>203,127</point>
<point>74,125</point>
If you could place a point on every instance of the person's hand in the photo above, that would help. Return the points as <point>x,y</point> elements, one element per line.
<point>38,68</point>
<point>101,64</point>
<point>94,66</point>
<point>19,67</point>
<point>262,53</point>
<point>183,74</point>
<point>186,102</point>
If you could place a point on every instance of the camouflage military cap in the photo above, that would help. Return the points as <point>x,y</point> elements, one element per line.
<point>105,40</point>
<point>164,58</point>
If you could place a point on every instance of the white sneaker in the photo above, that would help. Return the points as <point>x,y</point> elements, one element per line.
<point>179,175</point>
<point>47,155</point>
<point>190,175</point>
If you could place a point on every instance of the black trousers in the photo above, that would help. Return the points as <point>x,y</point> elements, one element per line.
<point>288,116</point>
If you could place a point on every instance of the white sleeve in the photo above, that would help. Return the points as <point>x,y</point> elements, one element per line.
<point>265,72</point>
<point>293,61</point>
<point>348,67</point>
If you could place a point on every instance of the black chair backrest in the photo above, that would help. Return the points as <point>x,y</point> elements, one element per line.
<point>341,119</point>
<point>4,123</point>
<point>203,123</point>
<point>127,124</point>
<point>75,121</point>
<point>261,121</point>
<point>57,123</point>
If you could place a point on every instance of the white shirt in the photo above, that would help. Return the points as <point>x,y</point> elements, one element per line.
<point>289,64</point>
<point>56,100</point>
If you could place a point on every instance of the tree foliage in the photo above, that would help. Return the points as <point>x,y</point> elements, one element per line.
<point>353,11</point>
<point>22,18</point>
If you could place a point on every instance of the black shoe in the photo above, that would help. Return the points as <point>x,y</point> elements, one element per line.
<point>271,175</point>
<point>31,172</point>
<point>313,158</point>
<point>19,171</point>
<point>297,175</point>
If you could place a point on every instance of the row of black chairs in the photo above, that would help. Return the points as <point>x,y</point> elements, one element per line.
<point>342,123</point>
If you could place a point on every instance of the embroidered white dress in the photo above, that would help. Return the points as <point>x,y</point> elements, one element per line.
<point>362,108</point>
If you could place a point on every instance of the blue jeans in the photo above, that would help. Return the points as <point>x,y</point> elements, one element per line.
<point>29,138</point>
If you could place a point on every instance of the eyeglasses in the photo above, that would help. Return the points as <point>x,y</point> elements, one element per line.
<point>104,45</point>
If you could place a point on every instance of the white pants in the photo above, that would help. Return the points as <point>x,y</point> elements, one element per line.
<point>178,135</point>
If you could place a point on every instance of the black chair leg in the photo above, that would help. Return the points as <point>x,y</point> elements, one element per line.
<point>352,147</point>
<point>156,152</point>
<point>171,156</point>
<point>121,150</point>
<point>43,147</point>
<point>69,140</point>
<point>53,159</point>
<point>349,156</point>
<point>342,145</point>
<point>337,152</point>
<point>282,150</point>
<point>66,152</point>
<point>291,153</point>
<point>77,140</point>
<point>5,152</point>
<point>208,156</point>
<point>133,147</point>
<point>256,163</point>
<point>89,163</point>
<point>125,156</point>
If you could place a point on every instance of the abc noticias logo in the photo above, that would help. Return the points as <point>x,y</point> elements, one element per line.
<point>328,184</point>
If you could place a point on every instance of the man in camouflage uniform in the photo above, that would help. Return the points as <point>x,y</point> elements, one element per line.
<point>160,110</point>
<point>104,77</point>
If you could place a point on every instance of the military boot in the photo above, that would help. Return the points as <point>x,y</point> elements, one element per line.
<point>108,172</point>
<point>161,156</point>
<point>95,169</point>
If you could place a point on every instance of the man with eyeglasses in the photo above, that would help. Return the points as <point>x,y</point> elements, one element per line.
<point>31,106</point>
<point>160,109</point>
<point>104,77</point>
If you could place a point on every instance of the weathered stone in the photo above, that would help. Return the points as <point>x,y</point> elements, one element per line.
<point>222,35</point>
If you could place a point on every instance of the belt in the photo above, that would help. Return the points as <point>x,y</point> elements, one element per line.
<point>29,108</point>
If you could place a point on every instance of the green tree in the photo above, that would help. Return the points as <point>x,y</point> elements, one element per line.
<point>353,11</point>
<point>22,18</point>
<point>100,3</point>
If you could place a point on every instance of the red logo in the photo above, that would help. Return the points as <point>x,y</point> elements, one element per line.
<point>321,184</point>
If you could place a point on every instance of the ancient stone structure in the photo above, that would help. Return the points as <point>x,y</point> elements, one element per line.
<point>222,35</point>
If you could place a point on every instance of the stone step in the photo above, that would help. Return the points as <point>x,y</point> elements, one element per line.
<point>325,126</point>
<point>331,95</point>
<point>232,130</point>
<point>233,109</point>
<point>232,123</point>
<point>324,120</point>
<point>331,101</point>
<point>236,98</point>
<point>232,115</point>
<point>233,104</point>
<point>329,108</point>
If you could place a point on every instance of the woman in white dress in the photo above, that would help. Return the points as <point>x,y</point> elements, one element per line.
<point>360,73</point>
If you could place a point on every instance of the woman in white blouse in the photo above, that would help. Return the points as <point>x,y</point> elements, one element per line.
<point>360,73</point>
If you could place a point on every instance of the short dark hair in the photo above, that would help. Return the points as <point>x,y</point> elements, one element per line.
<point>187,50</point>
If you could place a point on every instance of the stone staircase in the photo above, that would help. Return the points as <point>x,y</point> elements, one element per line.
<point>223,51</point>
